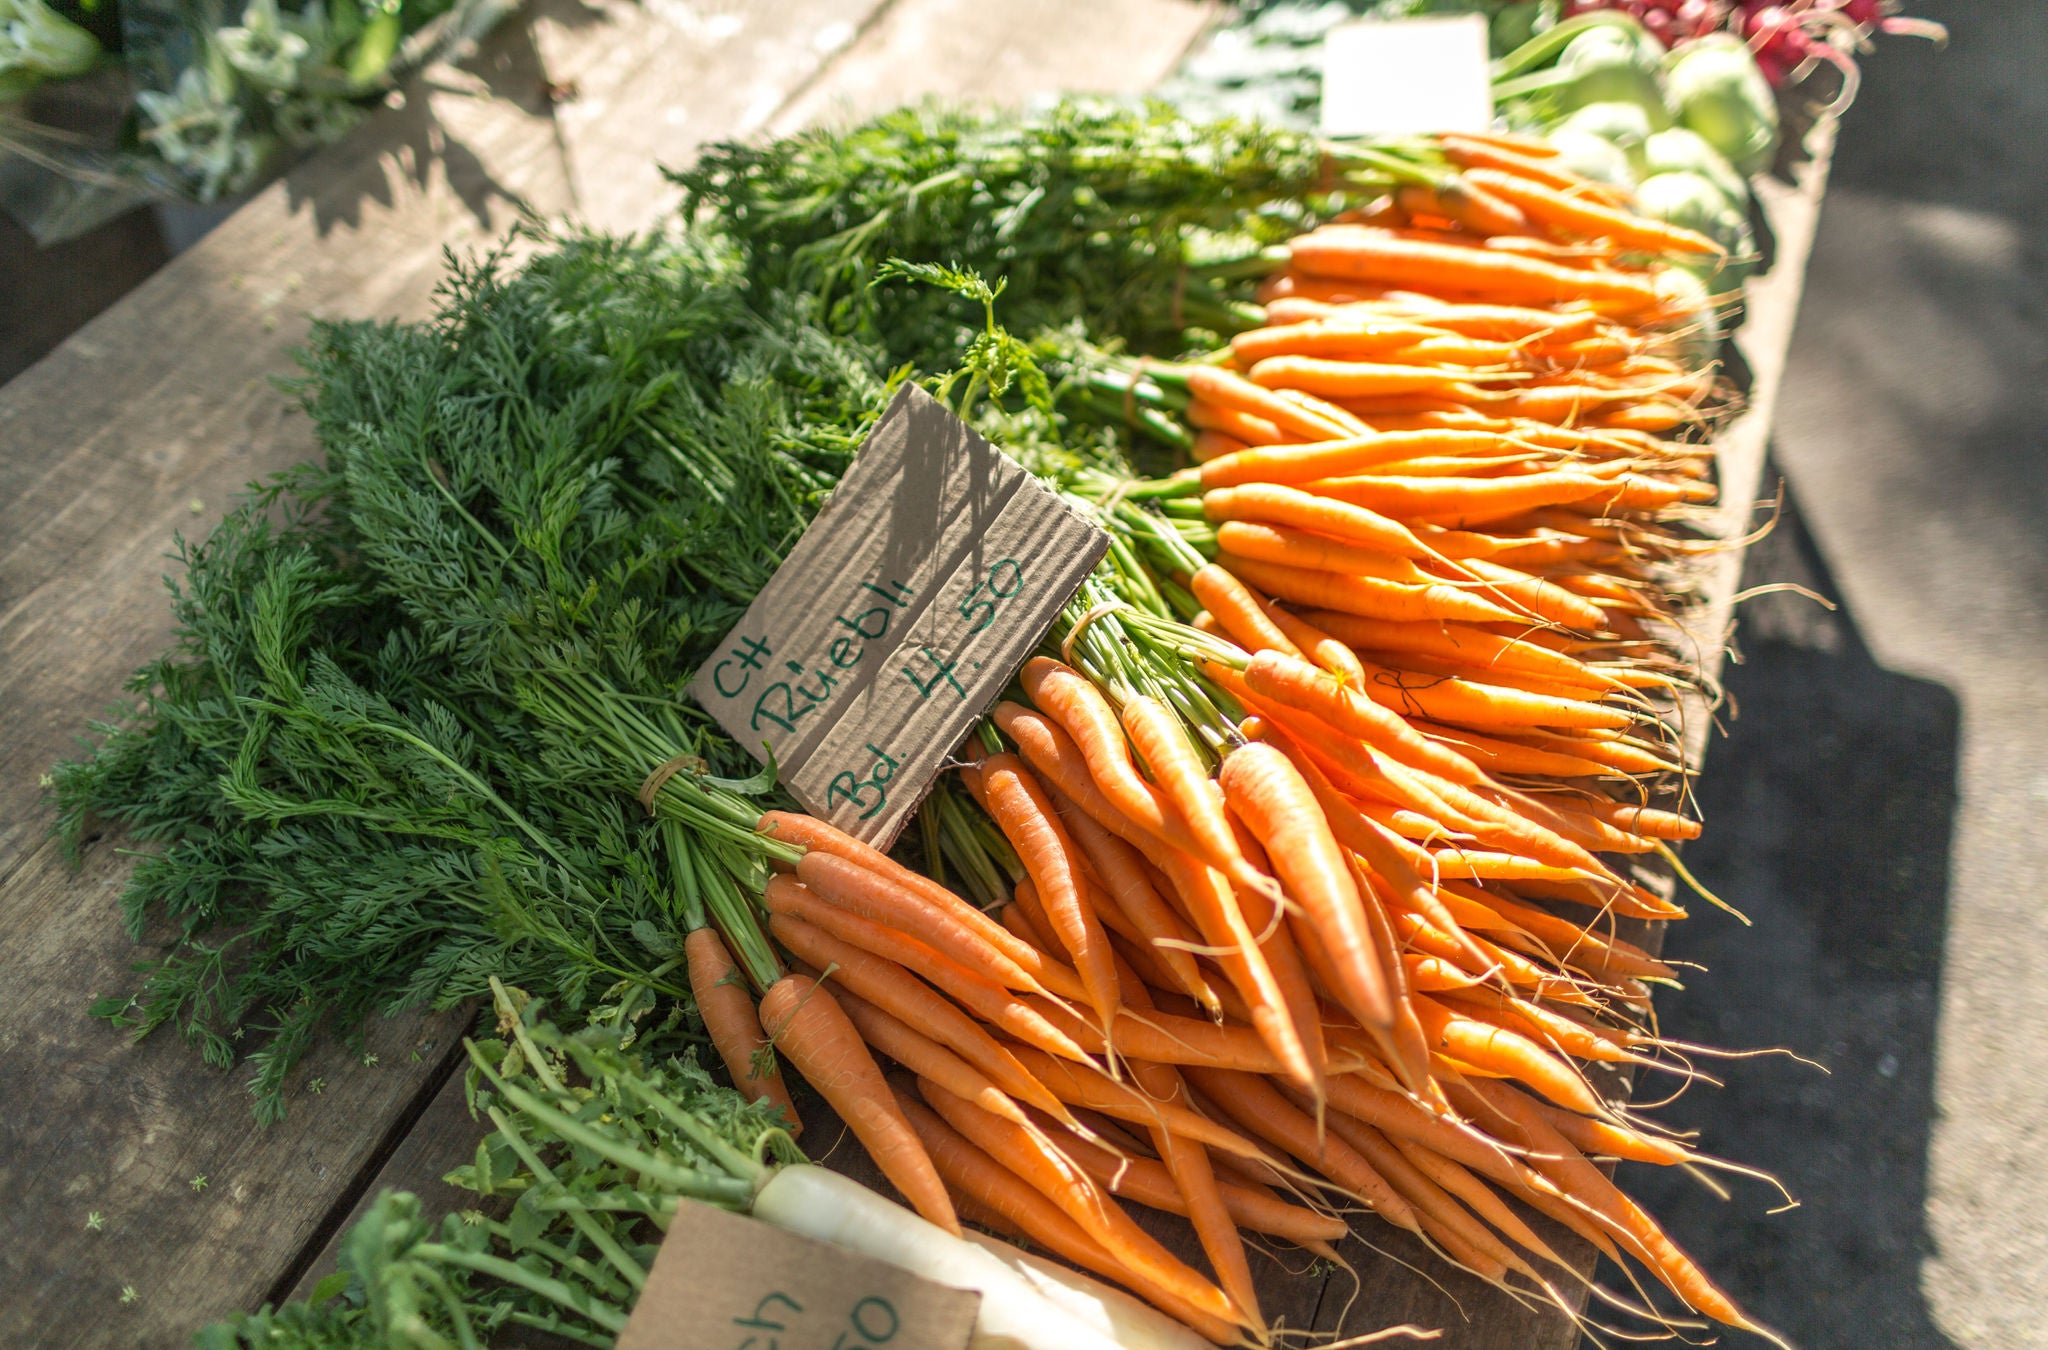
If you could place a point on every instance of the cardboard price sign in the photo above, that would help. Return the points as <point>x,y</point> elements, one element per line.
<point>1404,77</point>
<point>726,1282</point>
<point>899,616</point>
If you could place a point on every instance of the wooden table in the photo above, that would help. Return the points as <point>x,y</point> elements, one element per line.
<point>141,1199</point>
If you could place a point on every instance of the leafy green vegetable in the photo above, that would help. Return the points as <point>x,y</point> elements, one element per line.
<point>597,1137</point>
<point>1719,93</point>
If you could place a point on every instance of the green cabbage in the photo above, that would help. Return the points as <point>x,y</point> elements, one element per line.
<point>1625,126</point>
<point>1718,92</point>
<point>1697,203</point>
<point>1590,156</point>
<point>1681,151</point>
<point>1609,64</point>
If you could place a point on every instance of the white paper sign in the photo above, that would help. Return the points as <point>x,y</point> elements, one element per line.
<point>1406,77</point>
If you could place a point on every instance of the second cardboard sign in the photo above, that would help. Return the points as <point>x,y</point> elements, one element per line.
<point>898,618</point>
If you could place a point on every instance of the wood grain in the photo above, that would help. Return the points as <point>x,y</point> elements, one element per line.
<point>145,423</point>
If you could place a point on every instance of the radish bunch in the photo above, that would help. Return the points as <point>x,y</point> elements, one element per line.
<point>1787,37</point>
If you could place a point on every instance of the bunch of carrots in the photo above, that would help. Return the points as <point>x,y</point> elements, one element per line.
<point>1309,844</point>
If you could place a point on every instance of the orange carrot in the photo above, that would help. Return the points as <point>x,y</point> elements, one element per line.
<point>732,1024</point>
<point>822,837</point>
<point>1274,504</point>
<point>903,996</point>
<point>1122,871</point>
<point>808,1026</point>
<point>988,1190</point>
<point>1238,612</point>
<point>1226,389</point>
<point>1268,794</point>
<point>1355,253</point>
<point>1359,379</point>
<point>1148,1182</point>
<point>1265,542</point>
<point>1032,1156</point>
<point>925,1057</point>
<point>1026,816</point>
<point>1498,1050</point>
<point>1258,1106</point>
<point>1238,426</point>
<point>1210,444</point>
<point>872,896</point>
<point>1334,459</point>
<point>1557,1159</point>
<point>983,997</point>
<point>1566,210</point>
<point>1280,680</point>
<point>1367,597</point>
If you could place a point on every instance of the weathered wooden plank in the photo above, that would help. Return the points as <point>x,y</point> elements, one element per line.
<point>144,423</point>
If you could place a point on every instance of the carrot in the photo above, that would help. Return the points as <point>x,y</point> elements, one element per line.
<point>990,1190</point>
<point>822,837</point>
<point>1238,426</point>
<point>1204,891</point>
<point>1238,612</point>
<point>1456,199</point>
<point>1447,1221</point>
<point>983,997</point>
<point>1265,542</point>
<point>1341,418</point>
<point>925,1057</point>
<point>1463,503</point>
<point>1289,683</point>
<point>1558,1159</point>
<point>1171,1039</point>
<point>1162,743</point>
<point>1258,1106</point>
<point>1495,1049</point>
<point>1570,212</point>
<point>1026,816</point>
<point>1568,942</point>
<point>1081,711</point>
<point>1082,1087</point>
<point>1029,1154</point>
<point>1524,591</point>
<point>1148,1182</point>
<point>1641,820</point>
<point>1268,794</point>
<point>732,1023</point>
<point>1359,379</point>
<point>1599,1137</point>
<point>1202,1201</point>
<point>1332,459</point>
<point>872,896</point>
<point>1209,444</point>
<point>1226,389</point>
<point>1269,1003</point>
<point>1365,596</point>
<point>1122,871</point>
<point>1318,646</point>
<point>1274,504</point>
<point>903,996</point>
<point>1476,1194</point>
<point>1351,253</point>
<point>1469,152</point>
<point>1326,336</point>
<point>1464,643</point>
<point>1463,702</point>
<point>808,1026</point>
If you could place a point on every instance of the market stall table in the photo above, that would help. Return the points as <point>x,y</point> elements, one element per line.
<point>144,1199</point>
